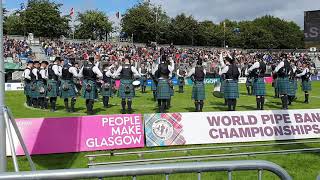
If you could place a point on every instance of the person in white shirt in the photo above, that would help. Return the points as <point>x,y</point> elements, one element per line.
<point>126,73</point>
<point>108,83</point>
<point>181,74</point>
<point>305,80</point>
<point>90,73</point>
<point>42,84</point>
<point>143,71</point>
<point>52,83</point>
<point>27,82</point>
<point>34,83</point>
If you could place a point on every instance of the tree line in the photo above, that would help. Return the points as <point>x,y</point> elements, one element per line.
<point>150,23</point>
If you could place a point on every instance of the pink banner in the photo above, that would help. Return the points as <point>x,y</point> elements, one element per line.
<point>76,134</point>
<point>268,80</point>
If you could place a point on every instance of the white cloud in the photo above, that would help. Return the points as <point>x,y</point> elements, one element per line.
<point>218,10</point>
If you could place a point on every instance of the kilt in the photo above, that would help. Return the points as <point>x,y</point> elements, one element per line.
<point>52,88</point>
<point>107,92</point>
<point>27,89</point>
<point>259,87</point>
<point>249,82</point>
<point>231,89</point>
<point>164,91</point>
<point>41,84</point>
<point>71,92</point>
<point>181,81</point>
<point>283,85</point>
<point>34,89</point>
<point>143,81</point>
<point>198,91</point>
<point>292,87</point>
<point>122,90</point>
<point>222,86</point>
<point>153,86</point>
<point>306,85</point>
<point>92,94</point>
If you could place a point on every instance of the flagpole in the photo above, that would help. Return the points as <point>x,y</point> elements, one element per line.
<point>224,34</point>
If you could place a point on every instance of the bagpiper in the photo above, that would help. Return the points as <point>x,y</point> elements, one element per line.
<point>143,71</point>
<point>197,75</point>
<point>68,88</point>
<point>181,73</point>
<point>249,80</point>
<point>35,76</point>
<point>305,81</point>
<point>90,73</point>
<point>282,71</point>
<point>154,81</point>
<point>292,83</point>
<point>258,70</point>
<point>127,72</point>
<point>107,86</point>
<point>27,82</point>
<point>52,83</point>
<point>42,84</point>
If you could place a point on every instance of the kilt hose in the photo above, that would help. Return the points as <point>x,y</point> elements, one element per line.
<point>292,87</point>
<point>306,85</point>
<point>42,89</point>
<point>283,85</point>
<point>164,91</point>
<point>126,89</point>
<point>198,91</point>
<point>70,91</point>
<point>259,87</point>
<point>27,89</point>
<point>89,89</point>
<point>52,88</point>
<point>143,81</point>
<point>181,81</point>
<point>231,89</point>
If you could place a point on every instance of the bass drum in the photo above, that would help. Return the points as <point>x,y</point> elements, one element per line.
<point>217,90</point>
<point>136,84</point>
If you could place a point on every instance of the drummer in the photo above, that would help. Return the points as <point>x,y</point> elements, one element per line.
<point>127,72</point>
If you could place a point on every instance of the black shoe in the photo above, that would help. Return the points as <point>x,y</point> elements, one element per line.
<point>123,111</point>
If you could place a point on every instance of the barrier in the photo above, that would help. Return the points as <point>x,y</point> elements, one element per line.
<point>77,134</point>
<point>154,169</point>
<point>227,127</point>
<point>14,86</point>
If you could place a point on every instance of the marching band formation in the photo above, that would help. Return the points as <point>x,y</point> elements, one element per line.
<point>45,82</point>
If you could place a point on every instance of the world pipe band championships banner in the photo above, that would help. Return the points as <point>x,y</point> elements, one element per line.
<point>77,134</point>
<point>226,127</point>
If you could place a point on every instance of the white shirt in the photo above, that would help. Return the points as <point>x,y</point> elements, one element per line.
<point>95,70</point>
<point>143,74</point>
<point>55,69</point>
<point>170,68</point>
<point>35,72</point>
<point>26,74</point>
<point>304,72</point>
<point>108,73</point>
<point>256,65</point>
<point>225,70</point>
<point>280,65</point>
<point>44,73</point>
<point>133,69</point>
<point>178,73</point>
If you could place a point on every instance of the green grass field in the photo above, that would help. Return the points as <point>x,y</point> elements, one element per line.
<point>304,166</point>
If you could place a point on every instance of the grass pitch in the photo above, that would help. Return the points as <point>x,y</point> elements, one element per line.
<point>302,166</point>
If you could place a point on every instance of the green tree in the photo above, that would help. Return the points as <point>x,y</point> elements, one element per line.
<point>93,25</point>
<point>13,24</point>
<point>146,22</point>
<point>43,18</point>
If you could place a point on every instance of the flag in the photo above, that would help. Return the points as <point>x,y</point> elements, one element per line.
<point>71,12</point>
<point>118,14</point>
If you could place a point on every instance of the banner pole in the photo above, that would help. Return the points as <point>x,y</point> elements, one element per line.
<point>10,138</point>
<point>3,156</point>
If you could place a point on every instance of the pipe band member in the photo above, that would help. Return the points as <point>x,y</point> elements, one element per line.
<point>181,73</point>
<point>154,81</point>
<point>107,87</point>
<point>231,89</point>
<point>305,81</point>
<point>258,70</point>
<point>282,71</point>
<point>42,84</point>
<point>126,90</point>
<point>197,75</point>
<point>249,80</point>
<point>35,77</point>
<point>68,87</point>
<point>164,87</point>
<point>143,71</point>
<point>52,83</point>
<point>90,73</point>
<point>27,82</point>
<point>292,83</point>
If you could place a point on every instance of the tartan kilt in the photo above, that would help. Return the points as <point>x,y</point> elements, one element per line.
<point>306,85</point>
<point>181,81</point>
<point>27,89</point>
<point>143,81</point>
<point>71,92</point>
<point>283,85</point>
<point>164,91</point>
<point>34,93</point>
<point>52,88</point>
<point>249,82</point>
<point>222,83</point>
<point>292,87</point>
<point>122,90</point>
<point>259,87</point>
<point>41,84</point>
<point>198,91</point>
<point>93,93</point>
<point>153,86</point>
<point>231,89</point>
<point>107,92</point>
